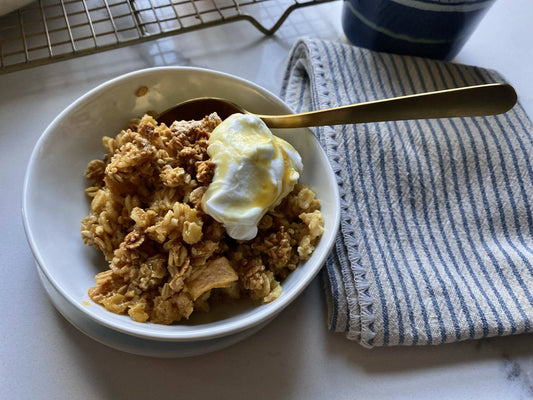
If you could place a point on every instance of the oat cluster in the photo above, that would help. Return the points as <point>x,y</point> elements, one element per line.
<point>166,257</point>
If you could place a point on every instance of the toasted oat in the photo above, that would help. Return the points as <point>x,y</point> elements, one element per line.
<point>166,256</point>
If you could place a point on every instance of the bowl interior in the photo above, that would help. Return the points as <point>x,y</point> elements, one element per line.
<point>54,202</point>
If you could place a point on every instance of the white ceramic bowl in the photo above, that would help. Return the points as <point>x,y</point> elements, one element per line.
<point>54,204</point>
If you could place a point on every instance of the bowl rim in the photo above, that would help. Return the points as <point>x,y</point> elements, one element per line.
<point>222,328</point>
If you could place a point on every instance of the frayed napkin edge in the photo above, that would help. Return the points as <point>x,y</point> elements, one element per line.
<point>361,325</point>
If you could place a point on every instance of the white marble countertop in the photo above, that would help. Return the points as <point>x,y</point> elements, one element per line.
<point>42,356</point>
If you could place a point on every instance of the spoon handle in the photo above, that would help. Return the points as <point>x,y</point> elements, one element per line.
<point>470,101</point>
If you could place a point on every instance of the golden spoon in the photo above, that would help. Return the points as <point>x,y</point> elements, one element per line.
<point>469,101</point>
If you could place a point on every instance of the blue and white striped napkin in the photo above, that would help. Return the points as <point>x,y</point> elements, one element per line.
<point>436,239</point>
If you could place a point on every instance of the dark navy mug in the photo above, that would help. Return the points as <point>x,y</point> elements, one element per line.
<point>428,28</point>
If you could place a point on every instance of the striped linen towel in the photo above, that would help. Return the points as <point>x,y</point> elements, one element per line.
<point>436,238</point>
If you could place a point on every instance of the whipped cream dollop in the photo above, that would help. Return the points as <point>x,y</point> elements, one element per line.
<point>254,171</point>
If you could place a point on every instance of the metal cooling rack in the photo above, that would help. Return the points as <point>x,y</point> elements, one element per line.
<point>51,30</point>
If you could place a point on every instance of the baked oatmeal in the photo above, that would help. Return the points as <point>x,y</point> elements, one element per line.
<point>166,256</point>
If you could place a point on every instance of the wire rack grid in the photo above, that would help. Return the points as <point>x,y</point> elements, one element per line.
<point>51,30</point>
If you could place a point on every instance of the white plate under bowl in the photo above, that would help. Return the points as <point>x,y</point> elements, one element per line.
<point>136,345</point>
<point>54,201</point>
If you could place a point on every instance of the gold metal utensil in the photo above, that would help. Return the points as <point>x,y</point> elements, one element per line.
<point>470,101</point>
